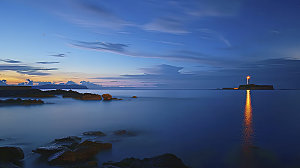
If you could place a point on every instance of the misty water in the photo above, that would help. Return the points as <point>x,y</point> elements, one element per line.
<point>205,128</point>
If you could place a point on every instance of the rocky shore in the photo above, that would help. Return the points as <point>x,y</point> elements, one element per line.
<point>80,151</point>
<point>36,93</point>
<point>24,102</point>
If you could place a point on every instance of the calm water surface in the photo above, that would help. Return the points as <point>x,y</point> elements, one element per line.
<point>206,128</point>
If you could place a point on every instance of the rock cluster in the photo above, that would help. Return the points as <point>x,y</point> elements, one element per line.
<point>94,133</point>
<point>162,161</point>
<point>20,102</point>
<point>71,150</point>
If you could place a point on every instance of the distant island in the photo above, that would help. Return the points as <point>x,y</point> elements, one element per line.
<point>251,86</point>
<point>54,86</point>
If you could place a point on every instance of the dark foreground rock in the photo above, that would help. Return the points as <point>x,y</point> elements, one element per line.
<point>73,139</point>
<point>71,151</point>
<point>11,154</point>
<point>83,152</point>
<point>48,150</point>
<point>19,101</point>
<point>162,161</point>
<point>94,133</point>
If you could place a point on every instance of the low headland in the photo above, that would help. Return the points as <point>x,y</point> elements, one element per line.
<point>19,95</point>
<point>252,87</point>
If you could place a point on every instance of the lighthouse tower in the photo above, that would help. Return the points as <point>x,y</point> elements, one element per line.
<point>248,77</point>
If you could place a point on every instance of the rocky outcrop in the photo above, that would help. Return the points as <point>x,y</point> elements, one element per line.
<point>36,93</point>
<point>19,101</point>
<point>106,97</point>
<point>69,142</point>
<point>89,96</point>
<point>48,150</point>
<point>162,161</point>
<point>124,133</point>
<point>70,150</point>
<point>77,95</point>
<point>11,154</point>
<point>134,97</point>
<point>94,133</point>
<point>83,152</point>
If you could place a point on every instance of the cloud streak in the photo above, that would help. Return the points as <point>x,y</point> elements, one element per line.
<point>180,55</point>
<point>166,25</point>
<point>45,62</point>
<point>10,61</point>
<point>28,70</point>
<point>58,55</point>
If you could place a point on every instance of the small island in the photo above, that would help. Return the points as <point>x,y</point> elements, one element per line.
<point>251,86</point>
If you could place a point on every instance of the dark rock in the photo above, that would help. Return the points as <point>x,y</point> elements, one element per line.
<point>36,93</point>
<point>94,133</point>
<point>9,165</point>
<point>124,132</point>
<point>11,154</point>
<point>89,96</point>
<point>134,97</point>
<point>92,163</point>
<point>106,97</point>
<point>116,98</point>
<point>162,161</point>
<point>83,152</point>
<point>49,150</point>
<point>20,102</point>
<point>68,139</point>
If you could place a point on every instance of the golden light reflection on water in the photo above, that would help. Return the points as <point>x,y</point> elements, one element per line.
<point>248,131</point>
<point>247,159</point>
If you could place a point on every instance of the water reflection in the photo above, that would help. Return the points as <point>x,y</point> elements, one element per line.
<point>247,159</point>
<point>248,130</point>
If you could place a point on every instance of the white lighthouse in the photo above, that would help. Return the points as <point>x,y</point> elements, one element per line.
<point>248,77</point>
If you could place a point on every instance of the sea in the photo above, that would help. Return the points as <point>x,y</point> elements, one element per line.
<point>205,128</point>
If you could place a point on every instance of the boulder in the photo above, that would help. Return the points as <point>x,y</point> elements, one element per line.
<point>68,139</point>
<point>106,97</point>
<point>48,150</point>
<point>11,154</point>
<point>83,152</point>
<point>94,133</point>
<point>89,96</point>
<point>123,132</point>
<point>162,161</point>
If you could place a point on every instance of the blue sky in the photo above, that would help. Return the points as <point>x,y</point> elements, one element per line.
<point>151,43</point>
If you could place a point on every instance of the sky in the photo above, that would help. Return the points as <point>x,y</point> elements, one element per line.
<point>174,44</point>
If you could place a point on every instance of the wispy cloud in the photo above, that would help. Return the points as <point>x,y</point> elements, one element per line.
<point>209,8</point>
<point>180,55</point>
<point>213,35</point>
<point>10,61</point>
<point>29,70</point>
<point>58,55</point>
<point>167,25</point>
<point>45,62</point>
<point>92,14</point>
